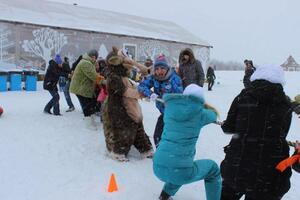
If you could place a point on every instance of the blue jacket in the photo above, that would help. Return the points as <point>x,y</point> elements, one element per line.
<point>184,117</point>
<point>172,84</point>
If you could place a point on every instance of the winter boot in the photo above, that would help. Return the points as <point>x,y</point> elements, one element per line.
<point>118,157</point>
<point>94,118</point>
<point>89,123</point>
<point>70,109</point>
<point>47,112</point>
<point>147,154</point>
<point>165,196</point>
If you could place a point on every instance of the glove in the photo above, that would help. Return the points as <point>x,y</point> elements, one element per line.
<point>153,97</point>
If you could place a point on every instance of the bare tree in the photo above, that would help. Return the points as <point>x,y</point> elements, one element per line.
<point>5,44</point>
<point>45,41</point>
<point>59,40</point>
<point>152,49</point>
<point>103,51</point>
<point>231,65</point>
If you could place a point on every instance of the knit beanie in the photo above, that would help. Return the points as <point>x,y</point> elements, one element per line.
<point>58,59</point>
<point>93,52</point>
<point>162,62</point>
<point>271,73</point>
<point>194,90</point>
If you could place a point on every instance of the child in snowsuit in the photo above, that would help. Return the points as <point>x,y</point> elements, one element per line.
<point>163,80</point>
<point>122,115</point>
<point>173,161</point>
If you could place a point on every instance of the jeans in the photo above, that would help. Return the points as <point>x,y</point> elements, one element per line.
<point>67,94</point>
<point>54,102</point>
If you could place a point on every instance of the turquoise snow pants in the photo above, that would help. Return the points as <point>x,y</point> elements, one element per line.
<point>206,170</point>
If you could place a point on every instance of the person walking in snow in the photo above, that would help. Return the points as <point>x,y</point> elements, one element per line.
<point>50,84</point>
<point>163,80</point>
<point>65,79</point>
<point>83,85</point>
<point>259,119</point>
<point>190,69</point>
<point>210,76</point>
<point>249,70</point>
<point>173,161</point>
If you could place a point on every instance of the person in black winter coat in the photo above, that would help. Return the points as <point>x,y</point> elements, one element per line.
<point>190,69</point>
<point>74,65</point>
<point>249,69</point>
<point>210,76</point>
<point>259,119</point>
<point>50,84</point>
<point>65,80</point>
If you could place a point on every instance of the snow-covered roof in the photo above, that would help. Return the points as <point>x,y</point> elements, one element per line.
<point>90,19</point>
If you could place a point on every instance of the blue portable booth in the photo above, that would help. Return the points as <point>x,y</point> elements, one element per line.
<point>3,81</point>
<point>15,80</point>
<point>31,80</point>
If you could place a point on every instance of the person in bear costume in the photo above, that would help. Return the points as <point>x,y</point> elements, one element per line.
<point>122,116</point>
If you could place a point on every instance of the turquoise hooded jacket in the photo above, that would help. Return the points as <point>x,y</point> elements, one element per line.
<point>184,117</point>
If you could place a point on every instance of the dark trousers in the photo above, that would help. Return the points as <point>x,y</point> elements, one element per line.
<point>210,83</point>
<point>158,129</point>
<point>229,194</point>
<point>87,104</point>
<point>54,102</point>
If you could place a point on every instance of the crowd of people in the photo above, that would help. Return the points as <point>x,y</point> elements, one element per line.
<point>256,163</point>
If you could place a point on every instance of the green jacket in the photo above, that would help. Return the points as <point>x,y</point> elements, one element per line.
<point>84,78</point>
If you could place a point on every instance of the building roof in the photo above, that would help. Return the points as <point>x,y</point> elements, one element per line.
<point>90,19</point>
<point>290,63</point>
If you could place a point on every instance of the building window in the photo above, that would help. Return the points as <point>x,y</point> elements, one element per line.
<point>130,50</point>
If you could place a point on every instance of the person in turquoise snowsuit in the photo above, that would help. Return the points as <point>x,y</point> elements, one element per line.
<point>173,162</point>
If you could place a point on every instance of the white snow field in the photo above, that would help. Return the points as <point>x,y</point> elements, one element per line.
<point>45,157</point>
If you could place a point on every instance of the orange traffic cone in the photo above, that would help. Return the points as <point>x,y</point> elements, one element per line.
<point>112,187</point>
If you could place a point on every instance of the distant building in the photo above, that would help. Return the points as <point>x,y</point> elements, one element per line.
<point>32,33</point>
<point>290,64</point>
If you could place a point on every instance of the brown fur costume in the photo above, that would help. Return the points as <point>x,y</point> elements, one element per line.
<point>121,131</point>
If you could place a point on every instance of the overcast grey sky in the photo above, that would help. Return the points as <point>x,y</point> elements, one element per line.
<point>267,31</point>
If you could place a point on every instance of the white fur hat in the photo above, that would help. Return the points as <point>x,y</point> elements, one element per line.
<point>194,90</point>
<point>271,73</point>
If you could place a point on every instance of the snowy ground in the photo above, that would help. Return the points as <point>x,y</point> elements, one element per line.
<point>57,158</point>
